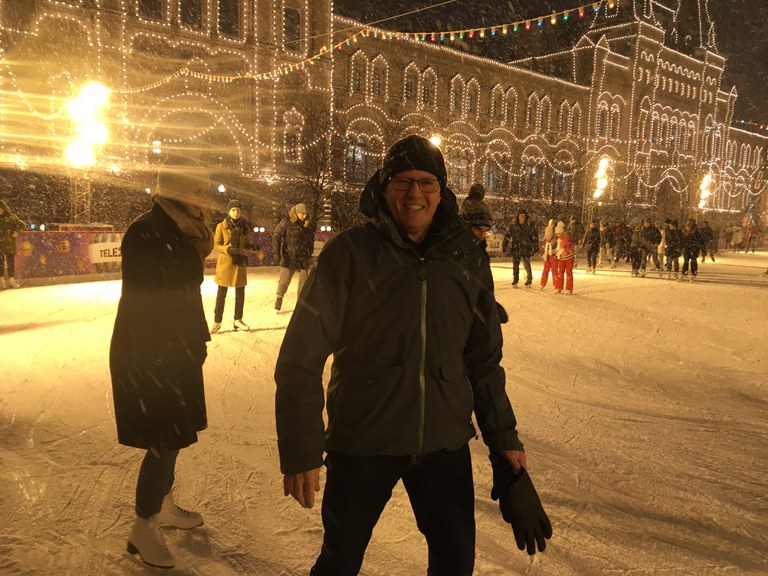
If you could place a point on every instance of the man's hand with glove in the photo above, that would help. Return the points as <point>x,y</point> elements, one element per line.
<point>520,505</point>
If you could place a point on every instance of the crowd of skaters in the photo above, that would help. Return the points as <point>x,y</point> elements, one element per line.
<point>668,248</point>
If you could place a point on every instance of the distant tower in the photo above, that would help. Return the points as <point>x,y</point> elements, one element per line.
<point>693,29</point>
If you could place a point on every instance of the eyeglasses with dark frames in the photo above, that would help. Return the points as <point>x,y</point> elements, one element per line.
<point>426,185</point>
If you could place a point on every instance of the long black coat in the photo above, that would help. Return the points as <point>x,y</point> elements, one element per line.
<point>158,344</point>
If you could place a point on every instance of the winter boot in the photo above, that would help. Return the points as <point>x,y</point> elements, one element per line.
<point>216,327</point>
<point>12,283</point>
<point>173,515</point>
<point>240,325</point>
<point>669,275</point>
<point>278,303</point>
<point>146,541</point>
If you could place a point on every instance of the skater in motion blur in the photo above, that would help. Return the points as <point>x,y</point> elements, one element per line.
<point>159,346</point>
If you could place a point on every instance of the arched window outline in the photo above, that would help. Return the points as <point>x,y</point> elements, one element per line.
<point>575,120</point>
<point>472,99</point>
<point>563,119</point>
<point>496,111</point>
<point>601,120</point>
<point>510,107</point>
<point>532,111</point>
<point>456,94</point>
<point>358,73</point>
<point>410,83</point>
<point>615,128</point>
<point>379,78</point>
<point>545,115</point>
<point>674,131</point>
<point>428,91</point>
<point>664,131</point>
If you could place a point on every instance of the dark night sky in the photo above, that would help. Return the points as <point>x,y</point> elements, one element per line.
<point>741,28</point>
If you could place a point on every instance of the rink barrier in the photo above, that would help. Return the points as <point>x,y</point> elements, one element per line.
<point>88,253</point>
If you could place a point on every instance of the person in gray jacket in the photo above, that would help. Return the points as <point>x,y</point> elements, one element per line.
<point>405,305</point>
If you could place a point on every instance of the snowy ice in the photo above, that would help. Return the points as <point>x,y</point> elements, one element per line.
<point>642,403</point>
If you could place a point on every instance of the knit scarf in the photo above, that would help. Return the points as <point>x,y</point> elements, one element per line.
<point>236,229</point>
<point>194,228</point>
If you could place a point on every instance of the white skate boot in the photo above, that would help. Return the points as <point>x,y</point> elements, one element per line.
<point>146,541</point>
<point>173,515</point>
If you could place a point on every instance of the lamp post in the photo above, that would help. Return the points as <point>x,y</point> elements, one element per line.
<point>704,191</point>
<point>90,132</point>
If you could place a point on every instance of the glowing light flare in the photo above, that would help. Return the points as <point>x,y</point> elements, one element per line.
<point>602,183</point>
<point>436,140</point>
<point>705,182</point>
<point>80,154</point>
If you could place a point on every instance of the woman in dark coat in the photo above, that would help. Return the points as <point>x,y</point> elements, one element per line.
<point>293,242</point>
<point>159,346</point>
<point>10,225</point>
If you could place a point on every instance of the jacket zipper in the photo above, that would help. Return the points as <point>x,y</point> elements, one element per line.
<point>422,353</point>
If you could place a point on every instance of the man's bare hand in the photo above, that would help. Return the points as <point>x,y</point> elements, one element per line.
<point>302,486</point>
<point>516,458</point>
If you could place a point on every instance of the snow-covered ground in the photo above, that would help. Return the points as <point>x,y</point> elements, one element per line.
<point>643,404</point>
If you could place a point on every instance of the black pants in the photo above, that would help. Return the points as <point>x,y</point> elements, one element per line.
<point>441,491</point>
<point>650,253</point>
<point>516,268</point>
<point>221,296</point>
<point>690,257</point>
<point>10,260</point>
<point>592,256</point>
<point>155,480</point>
<point>673,259</point>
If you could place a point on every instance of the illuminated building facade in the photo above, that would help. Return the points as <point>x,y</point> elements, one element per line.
<point>257,87</point>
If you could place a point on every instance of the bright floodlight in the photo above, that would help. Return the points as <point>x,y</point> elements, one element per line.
<point>603,164</point>
<point>598,193</point>
<point>702,203</point>
<point>95,94</point>
<point>436,140</point>
<point>80,155</point>
<point>602,183</point>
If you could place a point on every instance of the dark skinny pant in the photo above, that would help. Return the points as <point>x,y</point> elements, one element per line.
<point>441,491</point>
<point>673,259</point>
<point>690,256</point>
<point>592,256</point>
<point>221,296</point>
<point>155,480</point>
<point>516,269</point>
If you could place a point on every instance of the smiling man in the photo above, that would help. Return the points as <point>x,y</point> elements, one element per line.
<point>405,304</point>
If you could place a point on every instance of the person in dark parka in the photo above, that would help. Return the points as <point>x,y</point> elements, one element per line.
<point>405,305</point>
<point>159,346</point>
<point>293,242</point>
<point>521,242</point>
<point>10,226</point>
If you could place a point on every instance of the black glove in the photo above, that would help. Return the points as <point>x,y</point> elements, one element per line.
<point>520,506</point>
<point>233,250</point>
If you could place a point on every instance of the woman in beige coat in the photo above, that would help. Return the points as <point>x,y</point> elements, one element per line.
<point>231,242</point>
